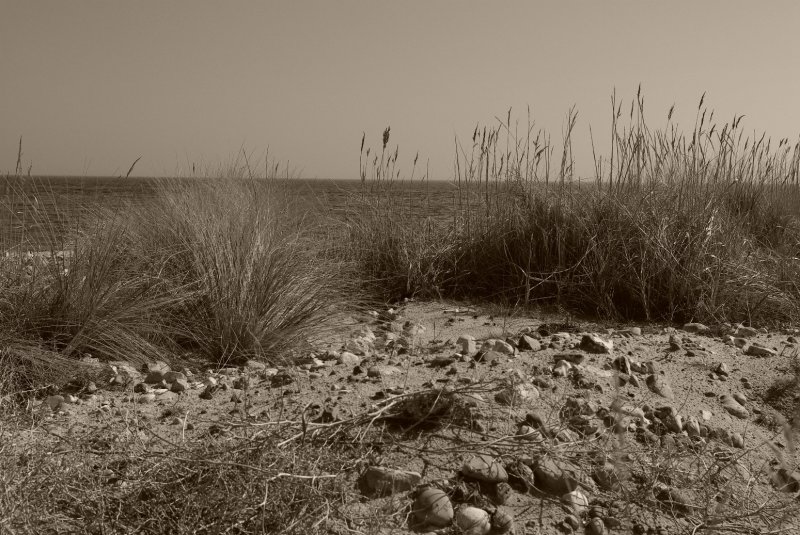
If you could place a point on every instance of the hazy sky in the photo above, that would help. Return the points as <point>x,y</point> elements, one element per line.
<point>92,85</point>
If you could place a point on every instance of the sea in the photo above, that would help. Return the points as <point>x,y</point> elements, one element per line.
<point>36,209</point>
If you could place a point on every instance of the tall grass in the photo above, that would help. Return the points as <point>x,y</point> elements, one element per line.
<point>673,226</point>
<point>219,271</point>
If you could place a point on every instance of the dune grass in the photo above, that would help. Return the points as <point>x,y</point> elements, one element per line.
<point>673,226</point>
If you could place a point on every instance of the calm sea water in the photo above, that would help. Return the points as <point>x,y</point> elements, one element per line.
<point>32,209</point>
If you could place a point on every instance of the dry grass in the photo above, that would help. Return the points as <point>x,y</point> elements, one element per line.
<point>700,226</point>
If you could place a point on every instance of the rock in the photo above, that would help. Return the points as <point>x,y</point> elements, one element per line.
<point>381,481</point>
<point>631,332</point>
<point>172,376</point>
<point>124,373</point>
<point>572,358</point>
<point>520,476</point>
<point>756,350</point>
<point>676,499</point>
<point>432,507</point>
<point>554,477</point>
<point>733,406</point>
<point>502,521</point>
<point>282,378</point>
<point>473,521</point>
<point>786,482</point>
<point>737,440</point>
<point>740,398</point>
<point>692,427</point>
<point>595,527</point>
<point>500,346</point>
<point>517,394</point>
<point>577,501</point>
<point>722,369</point>
<point>502,493</point>
<point>349,359</point>
<point>484,468</point>
<point>180,385</point>
<point>528,343</point>
<point>466,345</point>
<point>696,328</point>
<point>740,342</point>
<point>155,371</point>
<point>607,477</point>
<point>660,386</point>
<point>706,415</point>
<point>529,434</point>
<point>674,343</point>
<point>745,332</point>
<point>147,398</point>
<point>561,369</point>
<point>572,522</point>
<point>622,364</point>
<point>382,371</point>
<point>594,344</point>
<point>54,402</point>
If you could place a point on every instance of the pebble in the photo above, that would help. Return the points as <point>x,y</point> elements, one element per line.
<point>595,527</point>
<point>577,501</point>
<point>554,477</point>
<point>517,394</point>
<point>466,345</point>
<point>502,522</point>
<point>382,371</point>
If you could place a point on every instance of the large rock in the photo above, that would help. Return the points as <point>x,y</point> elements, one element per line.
<point>382,481</point>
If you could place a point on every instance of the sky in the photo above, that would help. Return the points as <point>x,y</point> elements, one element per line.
<point>92,85</point>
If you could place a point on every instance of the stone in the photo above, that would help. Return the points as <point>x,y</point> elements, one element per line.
<point>594,344</point>
<point>631,332</point>
<point>696,328</point>
<point>561,369</point>
<point>572,522</point>
<point>745,332</point>
<point>722,369</point>
<point>54,402</point>
<point>349,359</point>
<point>500,346</point>
<point>528,343</point>
<point>692,427</point>
<point>517,394</point>
<point>147,398</point>
<point>554,477</point>
<point>622,364</point>
<point>572,358</point>
<point>124,373</point>
<point>595,527</point>
<point>466,345</point>
<point>674,343</point>
<point>529,434</point>
<point>155,371</point>
<point>502,521</point>
<point>577,501</point>
<point>520,476</point>
<point>432,507</point>
<point>756,350</point>
<point>502,493</point>
<point>733,407</point>
<point>740,398</point>
<point>659,385</point>
<point>473,520</point>
<point>676,499</point>
<point>484,468</point>
<point>382,371</point>
<point>378,481</point>
<point>785,481</point>
<point>180,385</point>
<point>172,376</point>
